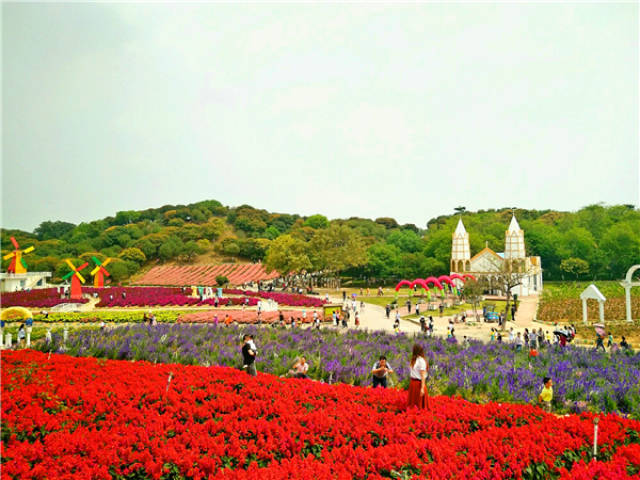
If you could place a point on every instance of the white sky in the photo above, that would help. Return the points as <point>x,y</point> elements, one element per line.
<point>363,110</point>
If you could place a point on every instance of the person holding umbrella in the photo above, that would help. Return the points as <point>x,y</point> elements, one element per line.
<point>562,334</point>
<point>600,337</point>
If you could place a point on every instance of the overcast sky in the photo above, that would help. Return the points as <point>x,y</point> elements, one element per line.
<point>362,110</point>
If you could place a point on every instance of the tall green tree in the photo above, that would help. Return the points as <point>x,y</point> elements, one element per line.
<point>287,255</point>
<point>337,248</point>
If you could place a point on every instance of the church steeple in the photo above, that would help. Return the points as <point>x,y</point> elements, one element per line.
<point>460,251</point>
<point>514,241</point>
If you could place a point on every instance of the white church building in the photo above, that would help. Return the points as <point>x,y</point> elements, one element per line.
<point>487,262</point>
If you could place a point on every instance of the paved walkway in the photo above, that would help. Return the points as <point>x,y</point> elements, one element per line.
<point>373,317</point>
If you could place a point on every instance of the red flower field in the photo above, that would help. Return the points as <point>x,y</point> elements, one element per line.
<point>66,417</point>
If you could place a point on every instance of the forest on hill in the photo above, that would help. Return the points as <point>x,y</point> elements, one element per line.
<point>596,242</point>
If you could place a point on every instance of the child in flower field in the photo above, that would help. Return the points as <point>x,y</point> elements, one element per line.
<point>418,383</point>
<point>546,394</point>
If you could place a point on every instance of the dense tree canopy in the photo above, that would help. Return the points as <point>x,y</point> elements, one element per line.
<point>595,242</point>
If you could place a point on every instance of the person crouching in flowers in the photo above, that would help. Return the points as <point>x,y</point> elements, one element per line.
<point>418,379</point>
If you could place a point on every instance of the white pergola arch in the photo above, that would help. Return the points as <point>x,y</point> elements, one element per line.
<point>627,284</point>
<point>592,292</point>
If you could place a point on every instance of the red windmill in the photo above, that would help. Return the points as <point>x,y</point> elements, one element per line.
<point>99,272</point>
<point>76,278</point>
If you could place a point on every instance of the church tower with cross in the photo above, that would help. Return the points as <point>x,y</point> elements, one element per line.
<point>460,251</point>
<point>514,241</point>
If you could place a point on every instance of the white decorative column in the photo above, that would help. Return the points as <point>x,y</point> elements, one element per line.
<point>584,310</point>
<point>627,284</point>
<point>601,311</point>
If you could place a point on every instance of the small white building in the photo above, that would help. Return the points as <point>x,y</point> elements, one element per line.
<point>487,262</point>
<point>13,282</point>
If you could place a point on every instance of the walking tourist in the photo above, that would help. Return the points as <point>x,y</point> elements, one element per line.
<point>518,342</point>
<point>248,356</point>
<point>418,375</point>
<point>600,342</point>
<point>380,371</point>
<point>21,336</point>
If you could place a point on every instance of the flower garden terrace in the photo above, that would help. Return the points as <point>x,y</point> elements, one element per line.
<point>583,379</point>
<point>236,273</point>
<point>155,297</point>
<point>66,417</point>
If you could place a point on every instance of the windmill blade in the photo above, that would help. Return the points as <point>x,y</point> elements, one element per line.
<point>95,260</point>
<point>15,243</point>
<point>80,277</point>
<point>29,250</point>
<point>8,256</point>
<point>84,265</point>
<point>68,275</point>
<point>106,262</point>
<point>104,270</point>
<point>70,264</point>
<point>95,270</point>
<point>24,264</point>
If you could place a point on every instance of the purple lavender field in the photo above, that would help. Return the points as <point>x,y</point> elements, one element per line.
<point>583,379</point>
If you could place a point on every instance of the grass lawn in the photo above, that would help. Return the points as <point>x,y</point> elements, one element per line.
<point>383,301</point>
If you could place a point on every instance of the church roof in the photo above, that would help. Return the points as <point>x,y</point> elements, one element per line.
<point>483,251</point>
<point>513,226</point>
<point>460,230</point>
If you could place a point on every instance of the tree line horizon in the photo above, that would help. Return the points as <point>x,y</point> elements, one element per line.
<point>596,242</point>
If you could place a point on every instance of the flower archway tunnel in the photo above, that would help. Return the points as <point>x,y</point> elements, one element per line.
<point>434,281</point>
<point>420,282</point>
<point>401,283</point>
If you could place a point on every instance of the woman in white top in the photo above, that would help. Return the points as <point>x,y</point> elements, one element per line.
<point>418,375</point>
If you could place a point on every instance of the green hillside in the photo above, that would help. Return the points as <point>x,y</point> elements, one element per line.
<point>594,242</point>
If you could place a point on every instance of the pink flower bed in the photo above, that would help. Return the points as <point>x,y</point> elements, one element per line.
<point>291,299</point>
<point>38,298</point>
<point>158,297</point>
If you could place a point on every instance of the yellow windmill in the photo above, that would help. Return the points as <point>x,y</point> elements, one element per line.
<point>17,265</point>
<point>99,272</point>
